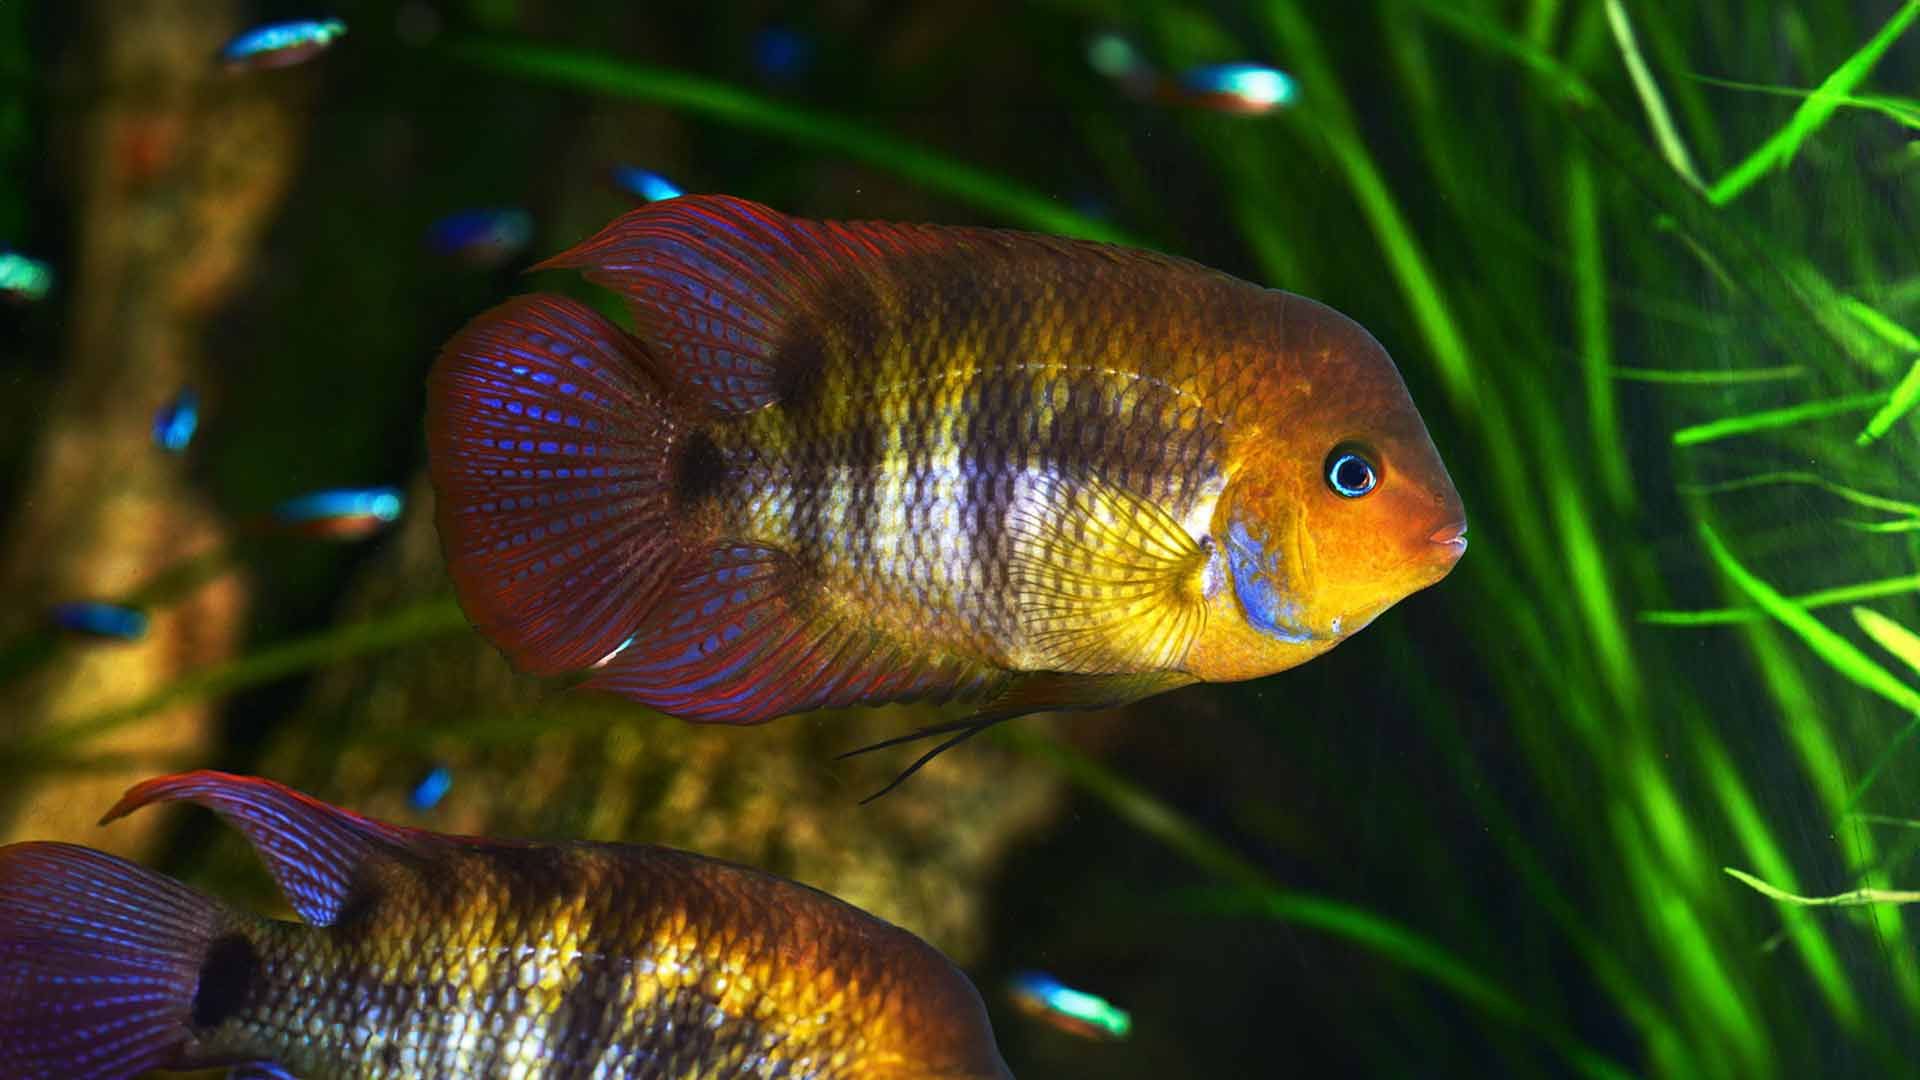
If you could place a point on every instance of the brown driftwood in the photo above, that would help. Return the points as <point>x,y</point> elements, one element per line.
<point>176,167</point>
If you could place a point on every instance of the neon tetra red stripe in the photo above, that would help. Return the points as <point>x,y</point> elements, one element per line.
<point>845,463</point>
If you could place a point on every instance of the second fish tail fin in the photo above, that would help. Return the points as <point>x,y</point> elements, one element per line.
<point>567,473</point>
<point>103,964</point>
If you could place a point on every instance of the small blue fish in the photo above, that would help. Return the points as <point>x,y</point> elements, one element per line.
<point>1073,1011</point>
<point>281,44</point>
<point>97,619</point>
<point>781,54</point>
<point>175,423</point>
<point>482,237</point>
<point>645,184</point>
<point>431,788</point>
<point>24,280</point>
<point>345,514</point>
<point>1245,89</point>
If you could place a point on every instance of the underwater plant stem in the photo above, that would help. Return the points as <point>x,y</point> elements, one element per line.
<point>1665,133</point>
<point>1852,898</point>
<point>1255,893</point>
<point>1839,653</point>
<point>1707,378</point>
<point>1815,110</point>
<point>1906,395</point>
<point>1844,594</point>
<point>1768,419</point>
<point>1590,308</point>
<point>430,618</point>
<point>720,101</point>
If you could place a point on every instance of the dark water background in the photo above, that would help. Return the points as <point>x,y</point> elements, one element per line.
<point>1485,836</point>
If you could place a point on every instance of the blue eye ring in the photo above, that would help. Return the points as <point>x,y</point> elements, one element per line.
<point>1350,474</point>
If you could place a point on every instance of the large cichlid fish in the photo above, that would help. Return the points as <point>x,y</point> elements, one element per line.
<point>426,956</point>
<point>844,463</point>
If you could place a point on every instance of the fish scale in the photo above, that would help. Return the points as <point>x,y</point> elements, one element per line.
<point>881,462</point>
<point>435,957</point>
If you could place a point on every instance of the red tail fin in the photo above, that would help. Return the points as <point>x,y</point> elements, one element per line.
<point>556,455</point>
<point>100,962</point>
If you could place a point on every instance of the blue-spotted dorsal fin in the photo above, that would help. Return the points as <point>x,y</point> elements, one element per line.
<point>314,850</point>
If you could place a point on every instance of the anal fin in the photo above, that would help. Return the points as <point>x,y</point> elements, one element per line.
<point>737,640</point>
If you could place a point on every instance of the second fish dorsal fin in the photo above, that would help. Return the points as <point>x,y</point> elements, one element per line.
<point>1104,581</point>
<point>314,850</point>
<point>715,282</point>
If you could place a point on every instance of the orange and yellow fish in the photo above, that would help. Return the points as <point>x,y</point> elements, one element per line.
<point>845,463</point>
<point>424,956</point>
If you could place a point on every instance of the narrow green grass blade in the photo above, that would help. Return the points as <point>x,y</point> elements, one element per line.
<point>405,626</point>
<point>1845,594</point>
<point>1890,636</point>
<point>1887,819</point>
<point>1903,111</point>
<point>1855,898</point>
<point>1881,761</point>
<point>1839,653</point>
<point>1476,26</point>
<point>1588,255</point>
<point>1770,419</point>
<point>1814,112</point>
<point>1651,99</point>
<point>1708,378</point>
<point>1816,952</point>
<point>1906,395</point>
<point>1390,939</point>
<point>1877,321</point>
<point>729,104</point>
<point>1770,479</point>
<point>1255,893</point>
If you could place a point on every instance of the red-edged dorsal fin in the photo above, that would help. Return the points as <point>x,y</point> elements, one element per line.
<point>731,645</point>
<point>313,849</point>
<point>715,283</point>
<point>559,466</point>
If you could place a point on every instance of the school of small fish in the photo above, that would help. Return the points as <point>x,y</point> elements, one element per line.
<point>834,463</point>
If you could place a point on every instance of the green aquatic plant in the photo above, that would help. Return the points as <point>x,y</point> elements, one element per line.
<point>1675,384</point>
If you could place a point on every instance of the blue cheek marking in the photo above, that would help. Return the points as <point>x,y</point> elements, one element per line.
<point>1253,585</point>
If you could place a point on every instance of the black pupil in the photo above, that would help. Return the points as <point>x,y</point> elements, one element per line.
<point>1352,475</point>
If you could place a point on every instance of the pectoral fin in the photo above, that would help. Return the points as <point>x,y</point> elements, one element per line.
<point>1105,581</point>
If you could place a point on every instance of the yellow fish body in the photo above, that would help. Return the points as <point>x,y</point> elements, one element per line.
<point>431,957</point>
<point>851,463</point>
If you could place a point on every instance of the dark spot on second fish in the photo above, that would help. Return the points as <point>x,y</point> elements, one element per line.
<point>225,978</point>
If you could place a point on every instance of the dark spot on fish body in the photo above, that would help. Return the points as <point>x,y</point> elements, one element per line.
<point>227,977</point>
<point>799,368</point>
<point>700,471</point>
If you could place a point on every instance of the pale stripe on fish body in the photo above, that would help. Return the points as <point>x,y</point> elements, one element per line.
<point>852,463</point>
<point>431,956</point>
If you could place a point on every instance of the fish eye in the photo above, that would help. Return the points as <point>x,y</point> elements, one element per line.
<point>1350,474</point>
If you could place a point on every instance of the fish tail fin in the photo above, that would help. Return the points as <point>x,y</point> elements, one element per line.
<point>567,471</point>
<point>101,963</point>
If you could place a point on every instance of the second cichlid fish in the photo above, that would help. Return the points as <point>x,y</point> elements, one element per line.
<point>844,463</point>
<point>433,957</point>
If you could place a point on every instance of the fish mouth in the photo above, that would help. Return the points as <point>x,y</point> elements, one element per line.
<point>1453,535</point>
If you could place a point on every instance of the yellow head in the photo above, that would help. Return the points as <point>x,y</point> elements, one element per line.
<point>1336,504</point>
